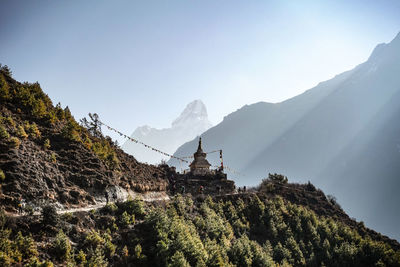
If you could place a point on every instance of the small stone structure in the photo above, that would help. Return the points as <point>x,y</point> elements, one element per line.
<point>200,179</point>
<point>200,166</point>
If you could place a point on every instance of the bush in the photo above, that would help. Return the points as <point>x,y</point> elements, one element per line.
<point>4,135</point>
<point>106,153</point>
<point>97,259</point>
<point>71,131</point>
<point>267,186</point>
<point>2,176</point>
<point>39,109</point>
<point>127,219</point>
<point>178,260</point>
<point>59,112</point>
<point>35,262</point>
<point>109,249</point>
<point>32,129</point>
<point>5,260</point>
<point>26,245</point>
<point>80,259</point>
<point>135,207</point>
<point>53,157</point>
<point>310,187</point>
<point>93,239</point>
<point>10,122</point>
<point>15,142</point>
<point>110,208</point>
<point>279,178</point>
<point>62,247</point>
<point>21,132</point>
<point>4,89</point>
<point>49,215</point>
<point>332,199</point>
<point>46,144</point>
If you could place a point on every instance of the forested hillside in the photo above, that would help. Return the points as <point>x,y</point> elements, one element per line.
<point>246,231</point>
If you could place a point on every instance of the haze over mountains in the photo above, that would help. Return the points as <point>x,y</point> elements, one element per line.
<point>192,122</point>
<point>343,135</point>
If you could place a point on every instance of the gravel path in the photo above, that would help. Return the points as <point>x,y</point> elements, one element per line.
<point>148,197</point>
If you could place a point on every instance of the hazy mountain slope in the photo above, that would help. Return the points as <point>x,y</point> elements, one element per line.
<point>192,122</point>
<point>304,136</point>
<point>368,170</point>
<point>239,132</point>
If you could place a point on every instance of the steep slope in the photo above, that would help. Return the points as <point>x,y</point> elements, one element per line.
<point>192,122</point>
<point>367,171</point>
<point>303,136</point>
<point>46,156</point>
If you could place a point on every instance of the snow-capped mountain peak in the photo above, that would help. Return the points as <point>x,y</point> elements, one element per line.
<point>193,121</point>
<point>194,113</point>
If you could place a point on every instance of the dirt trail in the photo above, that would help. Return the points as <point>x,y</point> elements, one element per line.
<point>148,197</point>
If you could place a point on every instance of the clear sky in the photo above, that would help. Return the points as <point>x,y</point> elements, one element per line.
<point>141,62</point>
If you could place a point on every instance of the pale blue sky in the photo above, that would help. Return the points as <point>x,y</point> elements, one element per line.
<point>141,62</point>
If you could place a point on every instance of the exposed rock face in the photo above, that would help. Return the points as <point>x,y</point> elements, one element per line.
<point>192,122</point>
<point>75,177</point>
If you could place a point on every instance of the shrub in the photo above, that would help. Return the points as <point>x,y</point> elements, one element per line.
<point>2,176</point>
<point>93,239</point>
<point>127,219</point>
<point>33,130</point>
<point>5,70</point>
<point>46,144</point>
<point>5,260</point>
<point>310,187</point>
<point>59,112</point>
<point>109,249</point>
<point>51,116</point>
<point>4,89</point>
<point>87,142</point>
<point>53,157</point>
<point>97,259</point>
<point>49,215</point>
<point>26,245</point>
<point>80,259</point>
<point>138,251</point>
<point>4,135</point>
<point>332,199</point>
<point>62,247</point>
<point>278,178</point>
<point>125,252</point>
<point>39,109</point>
<point>110,208</point>
<point>10,122</point>
<point>135,207</point>
<point>71,131</point>
<point>15,142</point>
<point>35,262</point>
<point>106,153</point>
<point>21,132</point>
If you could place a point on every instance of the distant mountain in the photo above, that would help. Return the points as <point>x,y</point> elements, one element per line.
<point>343,135</point>
<point>192,122</point>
